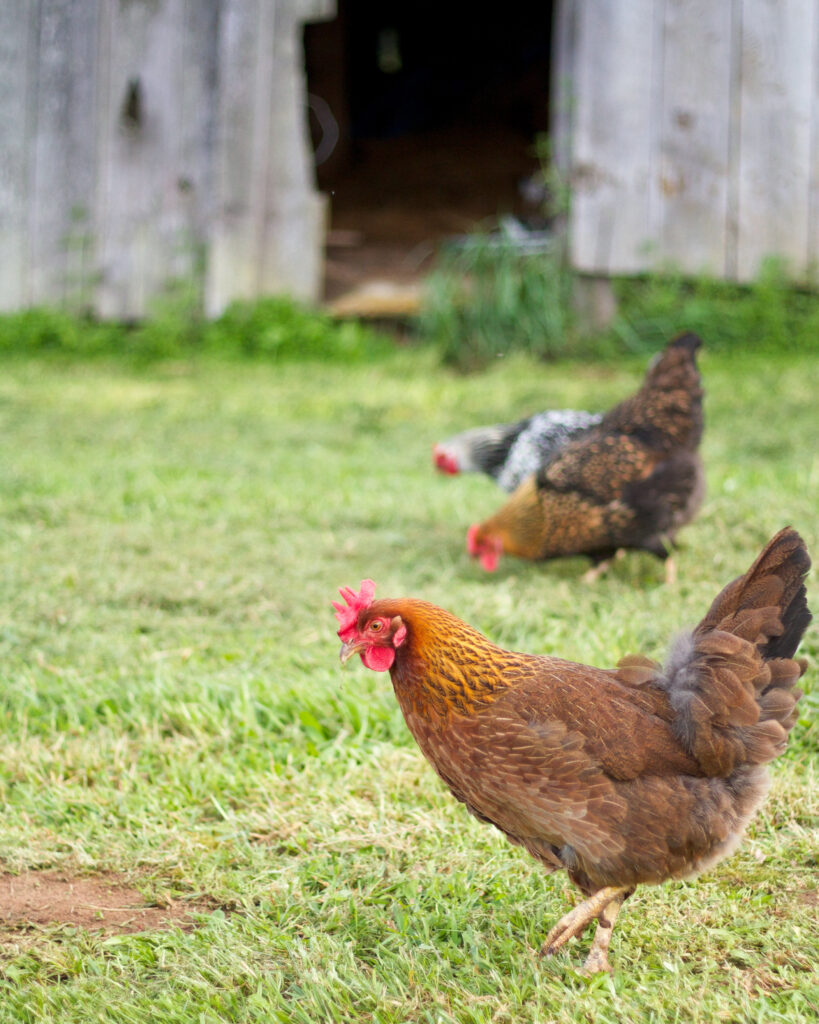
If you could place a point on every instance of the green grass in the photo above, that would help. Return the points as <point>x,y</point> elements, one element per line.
<point>173,706</point>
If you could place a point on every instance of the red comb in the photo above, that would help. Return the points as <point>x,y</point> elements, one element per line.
<point>347,615</point>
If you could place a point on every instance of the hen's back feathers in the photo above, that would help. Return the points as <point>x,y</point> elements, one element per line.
<point>509,452</point>
<point>666,413</point>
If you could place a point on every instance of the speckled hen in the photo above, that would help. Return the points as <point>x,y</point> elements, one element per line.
<point>630,481</point>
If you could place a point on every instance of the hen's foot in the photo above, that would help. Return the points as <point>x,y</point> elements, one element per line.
<point>593,575</point>
<point>598,959</point>
<point>573,923</point>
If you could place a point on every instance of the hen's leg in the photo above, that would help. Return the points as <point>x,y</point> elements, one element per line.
<point>584,913</point>
<point>598,958</point>
<point>670,570</point>
<point>599,568</point>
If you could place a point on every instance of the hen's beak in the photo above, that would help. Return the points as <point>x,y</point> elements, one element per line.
<point>349,649</point>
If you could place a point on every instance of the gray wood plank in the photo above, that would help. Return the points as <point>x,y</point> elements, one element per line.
<point>563,85</point>
<point>18,32</point>
<point>61,169</point>
<point>267,224</point>
<point>295,214</point>
<point>691,183</point>
<point>617,76</point>
<point>154,145</point>
<point>240,144</point>
<point>813,181</point>
<point>778,82</point>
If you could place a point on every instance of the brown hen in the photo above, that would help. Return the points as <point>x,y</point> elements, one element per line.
<point>631,481</point>
<point>625,776</point>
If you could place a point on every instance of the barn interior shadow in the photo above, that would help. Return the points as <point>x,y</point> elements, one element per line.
<point>424,123</point>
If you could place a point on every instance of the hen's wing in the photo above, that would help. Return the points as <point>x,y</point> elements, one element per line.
<point>534,780</point>
<point>544,762</point>
<point>599,467</point>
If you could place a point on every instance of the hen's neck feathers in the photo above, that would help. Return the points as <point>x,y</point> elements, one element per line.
<point>522,523</point>
<point>445,666</point>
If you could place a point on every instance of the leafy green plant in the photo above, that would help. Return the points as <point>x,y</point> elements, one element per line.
<point>770,315</point>
<point>43,331</point>
<point>489,297</point>
<point>275,328</point>
<point>278,328</point>
<point>173,327</point>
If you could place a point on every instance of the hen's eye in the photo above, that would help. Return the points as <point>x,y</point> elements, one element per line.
<point>375,625</point>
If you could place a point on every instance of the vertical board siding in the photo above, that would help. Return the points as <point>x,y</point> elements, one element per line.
<point>17,32</point>
<point>777,54</point>
<point>690,130</point>
<point>694,135</point>
<point>146,144</point>
<point>612,148</point>
<point>61,171</point>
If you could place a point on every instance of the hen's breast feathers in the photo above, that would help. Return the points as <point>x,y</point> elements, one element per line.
<point>581,769</point>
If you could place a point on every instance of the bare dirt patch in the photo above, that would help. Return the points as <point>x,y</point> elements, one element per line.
<point>107,903</point>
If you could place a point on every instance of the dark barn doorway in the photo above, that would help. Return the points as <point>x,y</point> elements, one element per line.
<point>424,118</point>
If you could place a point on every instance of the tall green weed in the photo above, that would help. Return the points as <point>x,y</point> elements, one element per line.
<point>488,297</point>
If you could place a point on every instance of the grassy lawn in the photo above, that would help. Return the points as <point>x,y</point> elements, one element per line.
<point>174,710</point>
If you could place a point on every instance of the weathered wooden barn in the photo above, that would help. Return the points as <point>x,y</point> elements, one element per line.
<point>150,142</point>
<point>692,133</point>
<point>146,142</point>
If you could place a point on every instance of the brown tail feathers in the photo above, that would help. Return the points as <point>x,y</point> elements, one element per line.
<point>731,681</point>
<point>775,584</point>
<point>667,410</point>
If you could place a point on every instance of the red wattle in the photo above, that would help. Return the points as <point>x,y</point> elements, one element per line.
<point>379,659</point>
<point>489,560</point>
